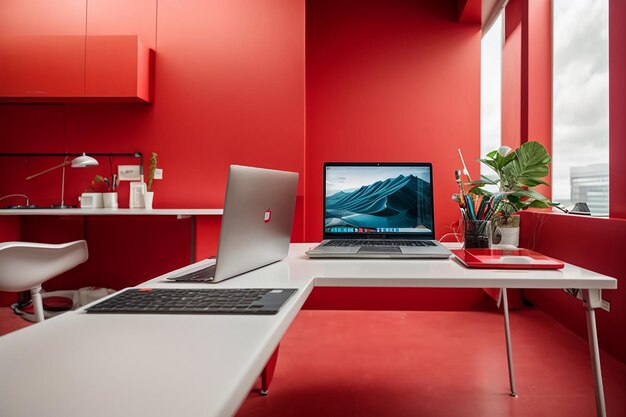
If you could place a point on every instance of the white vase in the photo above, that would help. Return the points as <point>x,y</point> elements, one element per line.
<point>510,236</point>
<point>148,197</point>
<point>506,235</point>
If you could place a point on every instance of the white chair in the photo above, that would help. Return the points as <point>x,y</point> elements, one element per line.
<point>25,266</point>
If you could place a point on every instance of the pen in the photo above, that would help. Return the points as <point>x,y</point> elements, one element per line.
<point>470,207</point>
<point>481,207</point>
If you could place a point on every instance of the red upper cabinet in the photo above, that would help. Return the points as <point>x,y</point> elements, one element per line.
<point>42,66</point>
<point>66,51</point>
<point>42,48</point>
<point>117,67</point>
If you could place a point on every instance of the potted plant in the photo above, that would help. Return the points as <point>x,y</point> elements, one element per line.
<point>149,194</point>
<point>517,173</point>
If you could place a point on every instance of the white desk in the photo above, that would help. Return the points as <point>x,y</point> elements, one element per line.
<point>164,365</point>
<point>111,212</point>
<point>178,212</point>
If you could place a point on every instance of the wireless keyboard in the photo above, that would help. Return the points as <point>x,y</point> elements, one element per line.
<point>195,301</point>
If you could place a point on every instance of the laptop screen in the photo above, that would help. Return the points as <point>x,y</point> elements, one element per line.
<point>383,199</point>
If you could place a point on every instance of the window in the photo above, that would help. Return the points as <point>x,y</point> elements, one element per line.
<point>490,91</point>
<point>580,137</point>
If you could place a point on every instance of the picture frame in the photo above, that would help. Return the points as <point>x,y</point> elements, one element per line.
<point>137,190</point>
<point>128,173</point>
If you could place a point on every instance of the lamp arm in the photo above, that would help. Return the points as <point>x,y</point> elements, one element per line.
<point>64,163</point>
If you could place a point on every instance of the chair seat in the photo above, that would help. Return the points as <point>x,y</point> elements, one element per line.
<point>27,265</point>
<point>24,265</point>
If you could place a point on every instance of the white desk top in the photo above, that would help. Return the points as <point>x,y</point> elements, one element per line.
<point>111,212</point>
<point>163,365</point>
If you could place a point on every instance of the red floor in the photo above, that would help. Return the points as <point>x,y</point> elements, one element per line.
<point>10,322</point>
<point>439,364</point>
<point>380,363</point>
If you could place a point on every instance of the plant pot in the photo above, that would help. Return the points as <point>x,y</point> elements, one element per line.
<point>505,234</point>
<point>148,197</point>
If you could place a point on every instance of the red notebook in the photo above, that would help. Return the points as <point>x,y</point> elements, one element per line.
<point>505,259</point>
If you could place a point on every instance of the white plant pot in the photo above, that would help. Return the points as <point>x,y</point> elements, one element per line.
<point>506,235</point>
<point>510,236</point>
<point>148,197</point>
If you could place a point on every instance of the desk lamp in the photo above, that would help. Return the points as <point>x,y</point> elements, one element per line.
<point>78,162</point>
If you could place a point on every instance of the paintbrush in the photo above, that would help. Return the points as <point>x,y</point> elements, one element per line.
<point>457,176</point>
<point>465,171</point>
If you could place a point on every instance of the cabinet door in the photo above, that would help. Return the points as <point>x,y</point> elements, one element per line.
<point>42,66</point>
<point>117,67</point>
<point>42,48</point>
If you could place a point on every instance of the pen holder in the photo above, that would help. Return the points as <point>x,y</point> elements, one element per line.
<point>110,200</point>
<point>476,234</point>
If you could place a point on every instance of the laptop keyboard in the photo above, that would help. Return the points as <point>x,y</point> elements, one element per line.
<point>371,242</point>
<point>202,275</point>
<point>195,301</point>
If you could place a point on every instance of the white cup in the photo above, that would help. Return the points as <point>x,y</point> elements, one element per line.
<point>110,200</point>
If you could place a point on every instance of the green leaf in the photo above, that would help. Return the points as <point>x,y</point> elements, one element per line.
<point>532,182</point>
<point>483,181</point>
<point>479,191</point>
<point>492,154</point>
<point>531,195</point>
<point>530,164</point>
<point>490,163</point>
<point>539,204</point>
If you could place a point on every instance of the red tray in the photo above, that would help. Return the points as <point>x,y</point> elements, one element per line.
<point>505,259</point>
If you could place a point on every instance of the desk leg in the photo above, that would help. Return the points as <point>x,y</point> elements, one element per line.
<point>509,349</point>
<point>193,239</point>
<point>268,372</point>
<point>589,298</point>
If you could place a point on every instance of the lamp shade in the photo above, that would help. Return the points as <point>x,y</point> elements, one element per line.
<point>84,161</point>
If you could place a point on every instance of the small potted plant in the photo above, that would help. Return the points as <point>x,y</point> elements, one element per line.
<point>109,195</point>
<point>517,173</point>
<point>100,184</point>
<point>149,194</point>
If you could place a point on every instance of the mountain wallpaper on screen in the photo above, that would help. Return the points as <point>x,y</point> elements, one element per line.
<point>404,201</point>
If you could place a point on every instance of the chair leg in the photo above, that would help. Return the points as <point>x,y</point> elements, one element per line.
<point>37,303</point>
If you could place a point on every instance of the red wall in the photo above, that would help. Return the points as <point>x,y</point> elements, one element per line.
<point>391,81</point>
<point>512,75</point>
<point>228,89</point>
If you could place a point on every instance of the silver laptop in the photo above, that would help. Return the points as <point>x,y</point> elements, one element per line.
<point>378,210</point>
<point>256,226</point>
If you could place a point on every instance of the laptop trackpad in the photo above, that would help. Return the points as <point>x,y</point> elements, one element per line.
<point>379,249</point>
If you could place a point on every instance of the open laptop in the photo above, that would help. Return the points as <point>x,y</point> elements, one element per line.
<point>378,210</point>
<point>256,225</point>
